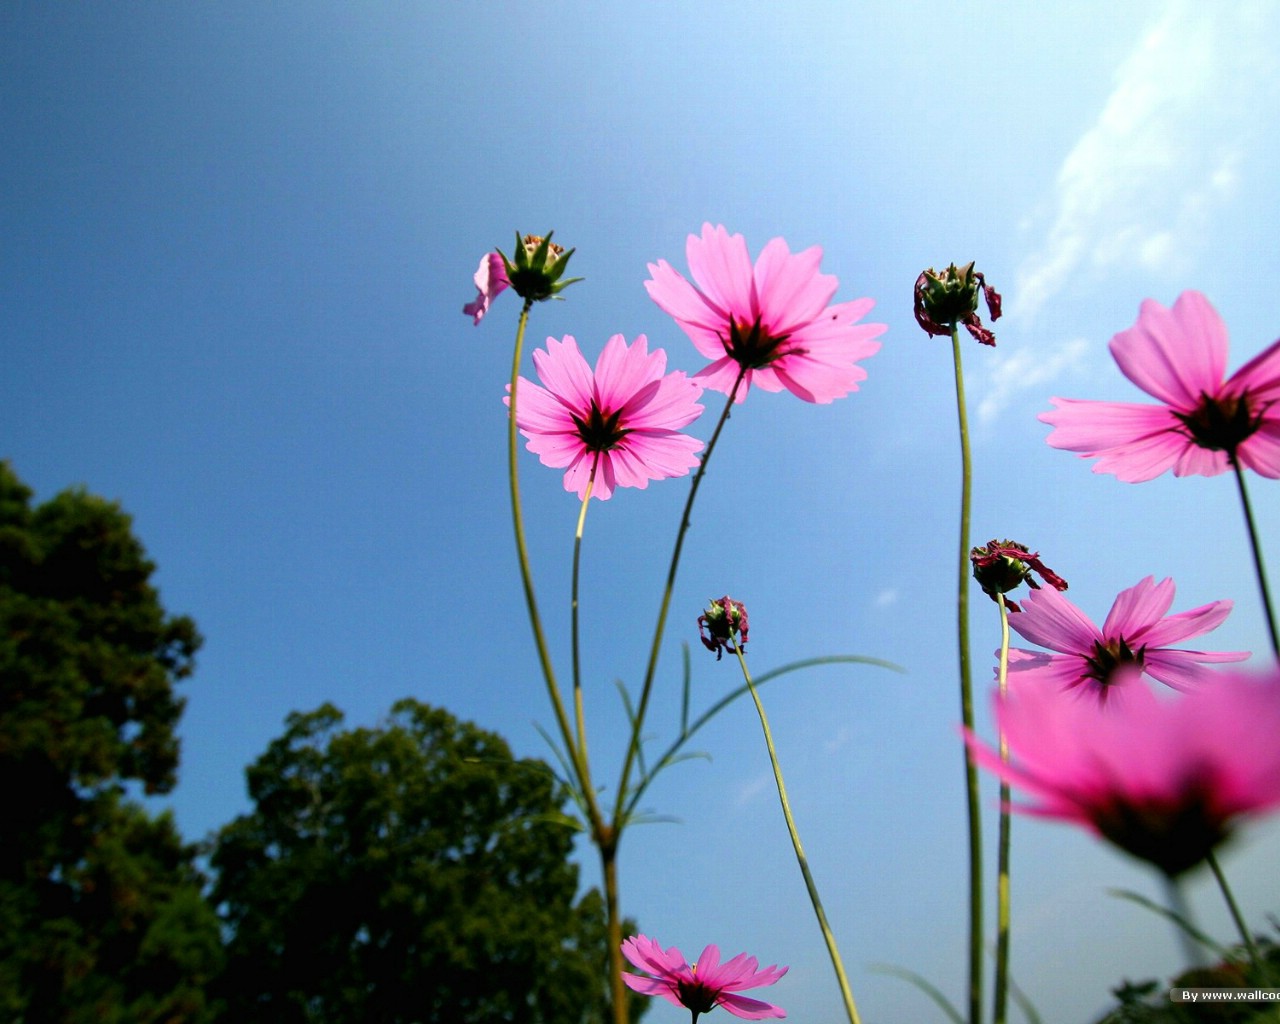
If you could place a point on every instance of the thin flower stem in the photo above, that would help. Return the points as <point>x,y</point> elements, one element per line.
<point>1254,956</point>
<point>1184,924</point>
<point>1257,558</point>
<point>966,700</point>
<point>1000,1008</point>
<point>827,936</point>
<point>602,834</point>
<point>577,658</point>
<point>646,687</point>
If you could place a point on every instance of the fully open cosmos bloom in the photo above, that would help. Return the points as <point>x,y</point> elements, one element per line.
<point>1163,779</point>
<point>769,323</point>
<point>704,985</point>
<point>621,422</point>
<point>1136,633</point>
<point>1178,356</point>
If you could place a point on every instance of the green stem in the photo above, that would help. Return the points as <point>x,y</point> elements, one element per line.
<point>845,992</point>
<point>966,700</point>
<point>1257,558</point>
<point>1001,1000</point>
<point>1254,956</point>
<point>646,688</point>
<point>573,614</point>
<point>1184,924</point>
<point>613,928</point>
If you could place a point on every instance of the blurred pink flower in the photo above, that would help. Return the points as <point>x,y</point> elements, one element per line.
<point>771,322</point>
<point>1179,356</point>
<point>491,281</point>
<point>1137,633</point>
<point>702,986</point>
<point>623,420</point>
<point>1163,779</point>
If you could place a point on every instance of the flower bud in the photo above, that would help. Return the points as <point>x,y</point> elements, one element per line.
<point>946,298</point>
<point>724,620</point>
<point>1003,566</point>
<point>535,274</point>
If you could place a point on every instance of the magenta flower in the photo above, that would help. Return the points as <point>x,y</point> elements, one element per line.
<point>491,281</point>
<point>1165,780</point>
<point>1178,356</point>
<point>616,427</point>
<point>769,324</point>
<point>1003,566</point>
<point>702,986</point>
<point>724,621</point>
<point>1137,633</point>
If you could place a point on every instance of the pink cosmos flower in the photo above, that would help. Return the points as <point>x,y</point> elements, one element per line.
<point>491,281</point>
<point>1165,780</point>
<point>702,986</point>
<point>1137,633</point>
<point>620,424</point>
<point>770,323</point>
<point>1179,356</point>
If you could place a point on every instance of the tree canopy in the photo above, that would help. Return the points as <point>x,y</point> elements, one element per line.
<point>101,914</point>
<point>414,871</point>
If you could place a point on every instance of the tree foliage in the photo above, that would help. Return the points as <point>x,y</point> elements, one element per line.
<point>411,872</point>
<point>101,917</point>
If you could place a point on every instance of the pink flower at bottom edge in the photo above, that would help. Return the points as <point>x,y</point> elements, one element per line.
<point>1178,356</point>
<point>704,985</point>
<point>619,423</point>
<point>1138,631</point>
<point>769,323</point>
<point>1166,780</point>
<point>491,281</point>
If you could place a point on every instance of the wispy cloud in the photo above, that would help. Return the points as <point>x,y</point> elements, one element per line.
<point>1020,370</point>
<point>885,598</point>
<point>1164,152</point>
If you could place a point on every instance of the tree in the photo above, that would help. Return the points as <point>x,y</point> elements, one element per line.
<point>101,915</point>
<point>411,872</point>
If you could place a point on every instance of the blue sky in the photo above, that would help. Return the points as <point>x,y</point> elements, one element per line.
<point>236,241</point>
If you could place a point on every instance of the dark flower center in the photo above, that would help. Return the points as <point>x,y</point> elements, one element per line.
<point>697,996</point>
<point>598,431</point>
<point>1110,655</point>
<point>1221,424</point>
<point>1173,833</point>
<point>752,346</point>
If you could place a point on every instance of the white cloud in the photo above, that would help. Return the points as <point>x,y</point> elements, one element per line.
<point>885,598</point>
<point>1023,370</point>
<point>1162,156</point>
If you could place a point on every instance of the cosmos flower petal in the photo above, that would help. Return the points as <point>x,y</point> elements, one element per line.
<point>719,262</point>
<point>1177,354</point>
<point>1261,452</point>
<point>1139,607</point>
<point>1051,620</point>
<point>1181,669</point>
<point>748,1008</point>
<point>705,984</point>
<point>1185,625</point>
<point>1260,376</point>
<point>791,291</point>
<point>491,281</point>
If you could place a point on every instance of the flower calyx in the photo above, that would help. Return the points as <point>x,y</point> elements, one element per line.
<point>536,274</point>
<point>947,298</point>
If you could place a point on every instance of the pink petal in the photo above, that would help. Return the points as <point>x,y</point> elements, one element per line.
<point>749,1009</point>
<point>1050,620</point>
<point>788,288</point>
<point>719,262</point>
<point>1136,442</point>
<point>1184,625</point>
<point>1138,607</point>
<point>1260,376</point>
<point>1175,355</point>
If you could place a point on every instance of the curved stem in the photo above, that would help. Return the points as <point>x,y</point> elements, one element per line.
<point>577,757</point>
<point>573,614</point>
<point>1257,558</point>
<point>1000,1007</point>
<point>845,992</point>
<point>650,670</point>
<point>966,700</point>
<point>1238,918</point>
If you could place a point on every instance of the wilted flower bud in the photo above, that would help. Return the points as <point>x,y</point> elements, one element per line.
<point>1003,566</point>
<point>950,297</point>
<point>724,620</point>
